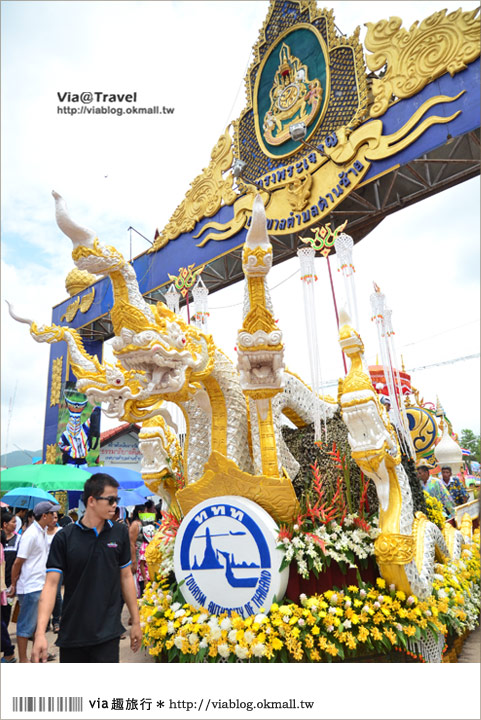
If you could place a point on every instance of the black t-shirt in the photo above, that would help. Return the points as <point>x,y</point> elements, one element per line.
<point>65,520</point>
<point>91,564</point>
<point>10,550</point>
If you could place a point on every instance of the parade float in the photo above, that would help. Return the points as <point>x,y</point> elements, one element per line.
<point>230,598</point>
<point>308,543</point>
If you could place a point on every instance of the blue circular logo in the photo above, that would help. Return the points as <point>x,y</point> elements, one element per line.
<point>226,557</point>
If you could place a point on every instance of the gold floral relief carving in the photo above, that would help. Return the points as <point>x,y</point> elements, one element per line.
<point>207,193</point>
<point>71,310</point>
<point>78,280</point>
<point>56,385</point>
<point>299,192</point>
<point>82,304</point>
<point>123,314</point>
<point>82,251</point>
<point>395,549</point>
<point>51,454</point>
<point>441,43</point>
<point>223,477</point>
<point>86,301</point>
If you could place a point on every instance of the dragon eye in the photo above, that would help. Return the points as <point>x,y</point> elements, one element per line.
<point>183,341</point>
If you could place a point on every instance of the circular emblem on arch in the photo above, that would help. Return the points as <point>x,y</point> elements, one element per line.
<point>292,86</point>
<point>226,557</point>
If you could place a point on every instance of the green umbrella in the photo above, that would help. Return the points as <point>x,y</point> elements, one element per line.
<point>47,477</point>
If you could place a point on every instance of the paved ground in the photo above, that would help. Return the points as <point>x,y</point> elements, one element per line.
<point>126,654</point>
<point>470,653</point>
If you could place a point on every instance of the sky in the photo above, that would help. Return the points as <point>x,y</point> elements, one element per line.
<point>117,172</point>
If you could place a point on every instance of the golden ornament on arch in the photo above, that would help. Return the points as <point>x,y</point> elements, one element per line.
<point>78,280</point>
<point>440,43</point>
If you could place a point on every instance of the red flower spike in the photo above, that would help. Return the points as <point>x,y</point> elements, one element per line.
<point>285,532</point>
<point>317,540</point>
<point>360,522</point>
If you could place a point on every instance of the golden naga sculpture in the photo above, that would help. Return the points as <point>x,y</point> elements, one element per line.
<point>441,43</point>
<point>260,350</point>
<point>408,545</point>
<point>162,358</point>
<point>233,441</point>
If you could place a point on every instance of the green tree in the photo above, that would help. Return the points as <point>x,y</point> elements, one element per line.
<point>471,441</point>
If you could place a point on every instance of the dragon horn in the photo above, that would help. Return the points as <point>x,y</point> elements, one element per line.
<point>79,235</point>
<point>16,317</point>
<point>344,317</point>
<point>257,233</point>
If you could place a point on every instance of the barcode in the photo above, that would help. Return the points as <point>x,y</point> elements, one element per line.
<point>47,704</point>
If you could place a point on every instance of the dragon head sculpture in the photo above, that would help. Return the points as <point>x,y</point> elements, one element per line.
<point>170,353</point>
<point>122,393</point>
<point>150,341</point>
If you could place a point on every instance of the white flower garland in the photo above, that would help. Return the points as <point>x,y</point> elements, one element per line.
<point>167,557</point>
<point>338,541</point>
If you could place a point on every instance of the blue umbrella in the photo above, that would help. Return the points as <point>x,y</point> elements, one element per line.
<point>130,497</point>
<point>144,491</point>
<point>27,497</point>
<point>125,477</point>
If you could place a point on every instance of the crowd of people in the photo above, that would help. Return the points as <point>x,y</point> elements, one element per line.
<point>72,575</point>
<point>448,489</point>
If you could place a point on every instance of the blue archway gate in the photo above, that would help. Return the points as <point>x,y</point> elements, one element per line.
<point>384,131</point>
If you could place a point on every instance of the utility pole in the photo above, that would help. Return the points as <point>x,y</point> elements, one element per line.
<point>11,405</point>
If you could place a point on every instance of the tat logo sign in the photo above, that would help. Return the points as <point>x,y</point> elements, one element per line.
<point>226,555</point>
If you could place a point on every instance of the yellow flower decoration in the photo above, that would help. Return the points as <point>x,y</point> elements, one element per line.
<point>291,631</point>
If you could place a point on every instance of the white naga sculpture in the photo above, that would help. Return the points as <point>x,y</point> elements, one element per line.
<point>234,443</point>
<point>162,358</point>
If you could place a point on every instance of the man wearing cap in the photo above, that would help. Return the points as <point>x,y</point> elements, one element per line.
<point>28,574</point>
<point>93,557</point>
<point>435,487</point>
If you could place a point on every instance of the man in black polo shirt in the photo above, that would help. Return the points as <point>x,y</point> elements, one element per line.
<point>93,555</point>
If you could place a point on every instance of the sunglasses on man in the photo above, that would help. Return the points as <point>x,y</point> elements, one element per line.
<point>111,499</point>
